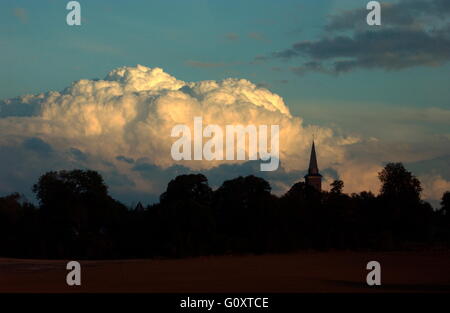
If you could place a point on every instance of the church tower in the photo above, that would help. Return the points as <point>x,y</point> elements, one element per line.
<point>313,178</point>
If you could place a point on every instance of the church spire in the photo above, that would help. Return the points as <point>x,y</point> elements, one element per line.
<point>313,178</point>
<point>313,168</point>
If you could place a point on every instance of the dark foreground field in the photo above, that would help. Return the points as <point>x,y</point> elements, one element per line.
<point>301,272</point>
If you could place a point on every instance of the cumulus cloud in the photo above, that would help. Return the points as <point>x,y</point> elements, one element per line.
<point>132,111</point>
<point>121,125</point>
<point>360,175</point>
<point>127,118</point>
<point>434,187</point>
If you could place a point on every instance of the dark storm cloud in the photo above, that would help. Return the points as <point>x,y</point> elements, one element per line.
<point>406,13</point>
<point>37,145</point>
<point>78,154</point>
<point>423,167</point>
<point>413,33</point>
<point>389,49</point>
<point>312,66</point>
<point>125,159</point>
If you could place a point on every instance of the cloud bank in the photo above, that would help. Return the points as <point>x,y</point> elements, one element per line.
<point>121,126</point>
<point>413,33</point>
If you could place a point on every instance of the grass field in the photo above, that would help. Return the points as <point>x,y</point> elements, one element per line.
<point>300,272</point>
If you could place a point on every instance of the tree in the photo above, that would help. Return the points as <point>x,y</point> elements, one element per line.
<point>398,183</point>
<point>443,220</point>
<point>69,185</point>
<point>187,223</point>
<point>405,214</point>
<point>11,212</point>
<point>301,192</point>
<point>188,187</point>
<point>243,208</point>
<point>76,208</point>
<point>446,203</point>
<point>337,186</point>
<point>18,227</point>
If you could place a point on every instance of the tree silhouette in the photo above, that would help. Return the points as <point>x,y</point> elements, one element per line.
<point>303,216</point>
<point>444,221</point>
<point>242,208</point>
<point>77,217</point>
<point>445,203</point>
<point>337,186</point>
<point>408,216</point>
<point>11,213</point>
<point>188,187</point>
<point>186,216</point>
<point>398,183</point>
<point>77,212</point>
<point>19,227</point>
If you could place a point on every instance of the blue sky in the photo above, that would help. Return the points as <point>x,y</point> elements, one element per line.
<point>212,40</point>
<point>40,52</point>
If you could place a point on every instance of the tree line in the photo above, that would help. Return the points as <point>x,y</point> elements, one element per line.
<point>77,218</point>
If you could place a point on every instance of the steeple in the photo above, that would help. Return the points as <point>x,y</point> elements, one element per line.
<point>313,168</point>
<point>313,178</point>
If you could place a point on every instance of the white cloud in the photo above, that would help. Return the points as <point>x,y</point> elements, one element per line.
<point>132,111</point>
<point>359,175</point>
<point>434,186</point>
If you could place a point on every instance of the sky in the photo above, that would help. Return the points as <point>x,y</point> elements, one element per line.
<point>369,94</point>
